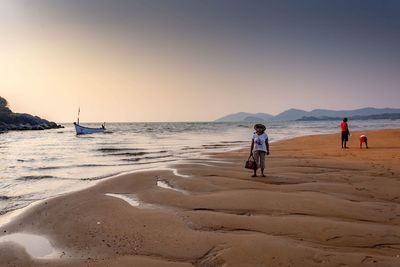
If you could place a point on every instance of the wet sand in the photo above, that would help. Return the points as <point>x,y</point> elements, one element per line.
<point>318,206</point>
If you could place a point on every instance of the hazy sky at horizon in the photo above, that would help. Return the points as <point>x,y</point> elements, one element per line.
<point>185,60</point>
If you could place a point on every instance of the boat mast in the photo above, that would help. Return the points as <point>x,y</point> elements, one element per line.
<point>79,111</point>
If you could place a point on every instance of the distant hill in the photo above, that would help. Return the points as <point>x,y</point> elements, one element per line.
<point>290,115</point>
<point>253,119</point>
<point>21,121</point>
<point>297,114</point>
<point>385,116</point>
<point>244,116</point>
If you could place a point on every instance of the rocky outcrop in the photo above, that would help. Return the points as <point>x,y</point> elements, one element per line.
<point>10,121</point>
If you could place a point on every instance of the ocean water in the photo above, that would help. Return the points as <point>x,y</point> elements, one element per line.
<point>35,165</point>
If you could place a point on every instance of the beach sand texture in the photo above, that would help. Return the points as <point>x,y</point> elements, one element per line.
<point>319,206</point>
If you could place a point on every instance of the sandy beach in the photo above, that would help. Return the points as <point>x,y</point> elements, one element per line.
<point>318,206</point>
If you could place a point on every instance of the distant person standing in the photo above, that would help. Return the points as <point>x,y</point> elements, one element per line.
<point>259,148</point>
<point>345,133</point>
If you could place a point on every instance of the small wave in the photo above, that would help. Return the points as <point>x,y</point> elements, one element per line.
<point>50,168</point>
<point>4,197</point>
<point>190,148</point>
<point>233,142</point>
<point>141,153</point>
<point>73,166</point>
<point>92,165</point>
<point>214,146</point>
<point>158,161</point>
<point>144,158</point>
<point>35,177</point>
<point>113,149</point>
<point>159,157</point>
<point>98,177</point>
<point>25,160</point>
<point>14,206</point>
<point>108,144</point>
<point>132,159</point>
<point>147,162</point>
<point>128,154</point>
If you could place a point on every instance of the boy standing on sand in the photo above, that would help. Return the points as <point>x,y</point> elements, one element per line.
<point>345,133</point>
<point>259,148</point>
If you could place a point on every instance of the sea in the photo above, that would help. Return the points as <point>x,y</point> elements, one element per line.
<point>36,165</point>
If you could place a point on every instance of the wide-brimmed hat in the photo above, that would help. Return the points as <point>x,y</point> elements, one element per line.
<point>259,125</point>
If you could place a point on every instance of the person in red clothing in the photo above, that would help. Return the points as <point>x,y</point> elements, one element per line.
<point>363,139</point>
<point>345,133</point>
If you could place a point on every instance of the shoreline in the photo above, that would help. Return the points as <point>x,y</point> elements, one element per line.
<point>13,214</point>
<point>165,165</point>
<point>225,203</point>
<point>60,172</point>
<point>4,218</point>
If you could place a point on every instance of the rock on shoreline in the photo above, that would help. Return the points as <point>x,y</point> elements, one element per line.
<point>10,121</point>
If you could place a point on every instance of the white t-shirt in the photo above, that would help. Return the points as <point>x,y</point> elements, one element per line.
<point>259,142</point>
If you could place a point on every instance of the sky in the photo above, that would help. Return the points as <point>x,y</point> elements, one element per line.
<point>186,60</point>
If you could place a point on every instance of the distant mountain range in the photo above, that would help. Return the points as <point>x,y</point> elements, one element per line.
<point>244,116</point>
<point>316,114</point>
<point>384,116</point>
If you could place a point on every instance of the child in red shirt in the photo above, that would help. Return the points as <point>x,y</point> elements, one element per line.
<point>363,139</point>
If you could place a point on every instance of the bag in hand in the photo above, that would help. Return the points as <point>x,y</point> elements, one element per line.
<point>250,163</point>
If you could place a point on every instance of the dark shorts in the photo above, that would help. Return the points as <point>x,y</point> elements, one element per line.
<point>345,136</point>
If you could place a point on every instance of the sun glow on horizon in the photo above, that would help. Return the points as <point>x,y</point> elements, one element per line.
<point>162,62</point>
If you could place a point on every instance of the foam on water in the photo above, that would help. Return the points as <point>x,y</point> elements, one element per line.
<point>130,199</point>
<point>166,185</point>
<point>35,245</point>
<point>176,173</point>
